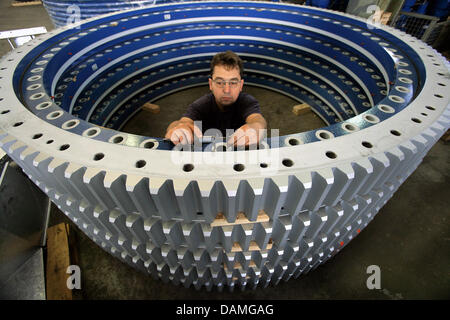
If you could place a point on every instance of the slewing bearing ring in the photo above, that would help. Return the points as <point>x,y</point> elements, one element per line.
<point>287,206</point>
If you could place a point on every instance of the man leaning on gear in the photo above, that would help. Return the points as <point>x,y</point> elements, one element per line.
<point>225,108</point>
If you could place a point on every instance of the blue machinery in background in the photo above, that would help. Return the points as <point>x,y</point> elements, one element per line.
<point>63,97</point>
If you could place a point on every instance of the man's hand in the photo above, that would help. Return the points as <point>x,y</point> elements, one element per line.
<point>250,133</point>
<point>182,131</point>
<point>244,136</point>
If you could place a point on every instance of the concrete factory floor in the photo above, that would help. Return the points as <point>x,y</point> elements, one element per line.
<point>409,239</point>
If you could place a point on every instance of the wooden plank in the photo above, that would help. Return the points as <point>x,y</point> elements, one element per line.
<point>237,265</point>
<point>301,109</point>
<point>221,221</point>
<point>58,259</point>
<point>153,108</point>
<point>236,247</point>
<point>25,3</point>
<point>252,247</point>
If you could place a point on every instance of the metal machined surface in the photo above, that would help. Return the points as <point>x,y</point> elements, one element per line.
<point>64,96</point>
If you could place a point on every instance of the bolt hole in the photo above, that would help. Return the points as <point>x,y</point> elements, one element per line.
<point>118,139</point>
<point>438,96</point>
<point>287,163</point>
<point>367,144</point>
<point>386,108</point>
<point>238,167</point>
<point>331,155</point>
<point>149,145</point>
<point>323,135</point>
<point>37,136</point>
<point>371,118</point>
<point>99,156</point>
<point>293,142</point>
<point>91,132</point>
<point>424,114</point>
<point>263,165</point>
<point>416,120</point>
<point>70,124</point>
<point>141,164</point>
<point>5,111</point>
<point>430,108</point>
<point>50,141</point>
<point>350,127</point>
<point>17,124</point>
<point>64,147</point>
<point>396,133</point>
<point>188,167</point>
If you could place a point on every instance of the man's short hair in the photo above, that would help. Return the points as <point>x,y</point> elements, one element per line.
<point>229,60</point>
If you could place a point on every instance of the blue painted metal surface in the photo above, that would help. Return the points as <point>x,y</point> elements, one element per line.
<point>105,70</point>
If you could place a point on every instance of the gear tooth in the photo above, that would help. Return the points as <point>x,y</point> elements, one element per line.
<point>261,234</point>
<point>40,167</point>
<point>281,229</point>
<point>138,190</point>
<point>427,138</point>
<point>118,221</point>
<point>408,145</point>
<point>71,169</point>
<point>26,160</point>
<point>252,208</point>
<point>190,203</point>
<point>93,178</point>
<point>7,141</point>
<point>218,200</point>
<point>343,178</point>
<point>245,198</point>
<point>194,234</point>
<point>229,193</point>
<point>28,152</point>
<point>16,148</point>
<point>136,225</point>
<point>298,189</point>
<point>322,181</point>
<point>156,184</point>
<point>55,163</point>
<point>166,201</point>
<point>379,163</point>
<point>273,196</point>
<point>179,186</point>
<point>74,174</point>
<point>114,183</point>
<point>41,157</point>
<point>57,169</point>
<point>131,182</point>
<point>154,229</point>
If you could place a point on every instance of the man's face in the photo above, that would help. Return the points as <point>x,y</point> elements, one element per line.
<point>226,84</point>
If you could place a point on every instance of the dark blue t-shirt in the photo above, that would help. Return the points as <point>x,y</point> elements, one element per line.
<point>205,109</point>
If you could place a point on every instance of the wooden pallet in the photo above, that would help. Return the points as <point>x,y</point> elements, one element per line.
<point>26,3</point>
<point>61,253</point>
<point>252,247</point>
<point>221,221</point>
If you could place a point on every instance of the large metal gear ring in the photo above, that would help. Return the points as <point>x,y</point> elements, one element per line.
<point>287,207</point>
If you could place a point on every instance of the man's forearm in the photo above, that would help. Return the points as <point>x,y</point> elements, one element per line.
<point>177,122</point>
<point>257,123</point>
